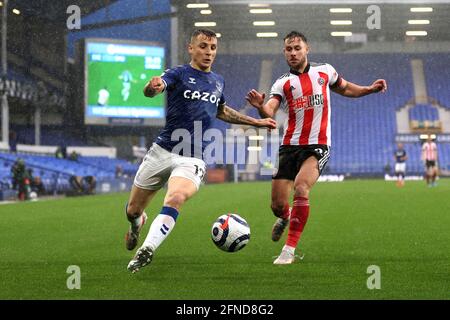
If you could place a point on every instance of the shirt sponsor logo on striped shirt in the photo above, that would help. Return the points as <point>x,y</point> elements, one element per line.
<point>308,102</point>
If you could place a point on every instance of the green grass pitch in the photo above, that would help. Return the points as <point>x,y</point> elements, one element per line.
<point>352,225</point>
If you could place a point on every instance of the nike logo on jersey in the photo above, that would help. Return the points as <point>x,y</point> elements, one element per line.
<point>203,96</point>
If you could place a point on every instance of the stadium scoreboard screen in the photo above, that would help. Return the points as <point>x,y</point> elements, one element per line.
<point>115,75</point>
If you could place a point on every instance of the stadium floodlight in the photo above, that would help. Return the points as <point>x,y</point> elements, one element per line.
<point>263,23</point>
<point>418,21</point>
<point>416,33</point>
<point>258,5</point>
<point>341,22</point>
<point>16,11</point>
<point>205,11</point>
<point>421,9</point>
<point>341,10</point>
<point>218,34</point>
<point>267,34</point>
<point>341,34</point>
<point>205,24</point>
<point>260,11</point>
<point>197,5</point>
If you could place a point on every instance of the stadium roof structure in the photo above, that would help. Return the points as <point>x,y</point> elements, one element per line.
<point>235,21</point>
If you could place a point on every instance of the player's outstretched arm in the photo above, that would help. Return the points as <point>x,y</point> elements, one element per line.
<point>352,90</point>
<point>267,110</point>
<point>154,87</point>
<point>227,114</point>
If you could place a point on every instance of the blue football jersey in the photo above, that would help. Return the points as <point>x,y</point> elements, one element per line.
<point>399,155</point>
<point>193,97</point>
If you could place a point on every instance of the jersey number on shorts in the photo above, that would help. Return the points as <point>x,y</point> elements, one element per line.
<point>199,172</point>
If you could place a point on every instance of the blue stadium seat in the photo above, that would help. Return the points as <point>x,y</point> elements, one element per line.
<point>423,112</point>
<point>55,173</point>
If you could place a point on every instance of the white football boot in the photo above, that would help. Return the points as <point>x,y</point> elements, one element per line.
<point>286,257</point>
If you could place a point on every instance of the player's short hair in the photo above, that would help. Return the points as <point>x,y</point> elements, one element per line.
<point>207,32</point>
<point>295,34</point>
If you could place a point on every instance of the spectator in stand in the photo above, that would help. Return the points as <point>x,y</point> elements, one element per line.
<point>83,185</point>
<point>12,141</point>
<point>73,156</point>
<point>36,183</point>
<point>119,171</point>
<point>61,152</point>
<point>75,182</point>
<point>89,183</point>
<point>21,179</point>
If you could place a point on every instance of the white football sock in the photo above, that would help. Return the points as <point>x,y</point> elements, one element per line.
<point>159,230</point>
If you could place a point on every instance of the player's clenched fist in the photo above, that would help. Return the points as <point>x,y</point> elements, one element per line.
<point>379,85</point>
<point>157,84</point>
<point>153,87</point>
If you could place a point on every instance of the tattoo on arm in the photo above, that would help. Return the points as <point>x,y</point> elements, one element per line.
<point>230,115</point>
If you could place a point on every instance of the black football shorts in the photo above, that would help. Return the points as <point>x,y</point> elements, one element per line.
<point>430,164</point>
<point>291,158</point>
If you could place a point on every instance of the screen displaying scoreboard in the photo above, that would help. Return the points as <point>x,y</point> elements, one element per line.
<point>115,75</point>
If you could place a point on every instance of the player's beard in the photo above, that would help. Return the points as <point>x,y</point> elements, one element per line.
<point>297,64</point>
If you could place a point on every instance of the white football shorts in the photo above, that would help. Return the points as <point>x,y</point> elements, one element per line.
<point>159,165</point>
<point>400,167</point>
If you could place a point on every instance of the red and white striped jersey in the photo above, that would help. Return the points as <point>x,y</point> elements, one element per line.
<point>305,97</point>
<point>429,150</point>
